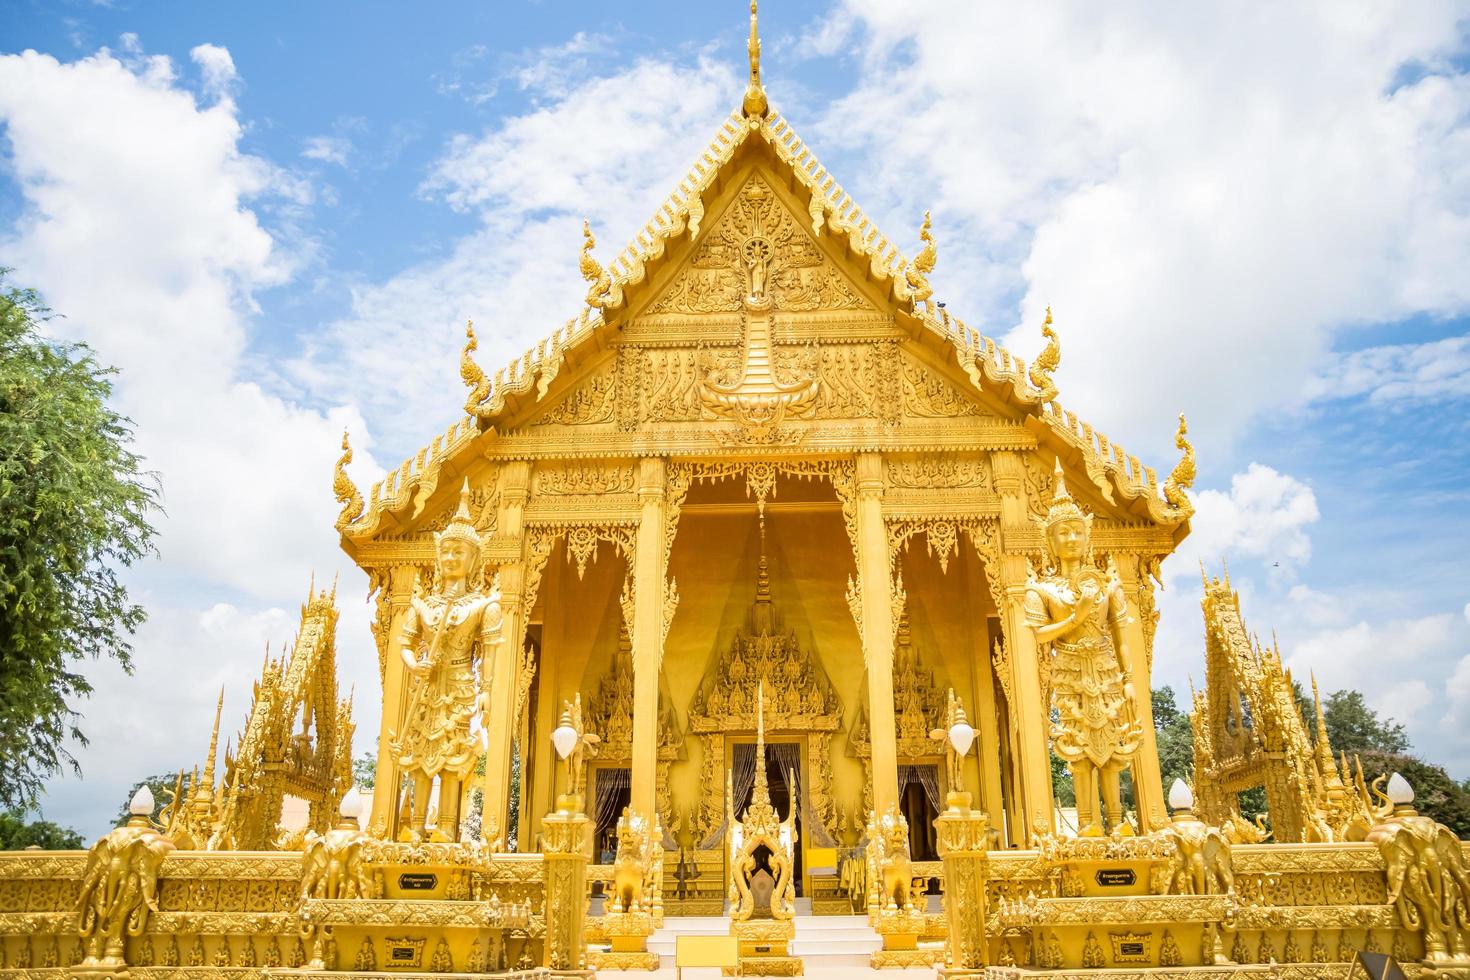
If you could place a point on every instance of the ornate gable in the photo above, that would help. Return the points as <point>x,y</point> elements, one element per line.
<point>758,231</point>
<point>843,330</point>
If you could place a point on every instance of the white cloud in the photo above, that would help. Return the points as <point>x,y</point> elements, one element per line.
<point>1396,374</point>
<point>328,149</point>
<point>610,150</point>
<point>1379,659</point>
<point>828,34</point>
<point>1456,719</point>
<point>1187,190</point>
<point>138,227</point>
<point>217,67</point>
<point>1265,515</point>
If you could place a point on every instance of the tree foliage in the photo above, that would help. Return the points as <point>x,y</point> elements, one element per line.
<point>74,509</point>
<point>1175,737</point>
<point>365,770</point>
<point>17,834</point>
<point>1353,727</point>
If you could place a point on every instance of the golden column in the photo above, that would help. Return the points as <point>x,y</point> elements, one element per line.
<point>963,835</point>
<point>647,631</point>
<point>1148,782</point>
<point>399,583</point>
<point>564,849</point>
<point>1028,714</point>
<point>876,585</point>
<point>501,674</point>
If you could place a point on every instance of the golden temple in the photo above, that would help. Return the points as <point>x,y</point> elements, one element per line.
<point>691,612</point>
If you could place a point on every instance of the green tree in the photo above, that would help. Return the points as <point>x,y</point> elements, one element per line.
<point>16,834</point>
<point>1175,737</point>
<point>1352,726</point>
<point>74,509</point>
<point>1061,782</point>
<point>365,770</point>
<point>1435,793</point>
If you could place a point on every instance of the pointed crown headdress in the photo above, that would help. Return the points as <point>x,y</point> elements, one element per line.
<point>461,526</point>
<point>1063,507</point>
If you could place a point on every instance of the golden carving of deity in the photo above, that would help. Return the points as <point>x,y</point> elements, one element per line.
<point>1078,612</point>
<point>446,643</point>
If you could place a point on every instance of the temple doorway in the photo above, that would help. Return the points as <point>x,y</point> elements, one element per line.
<point>918,798</point>
<point>611,792</point>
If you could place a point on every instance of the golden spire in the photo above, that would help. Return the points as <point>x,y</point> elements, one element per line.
<point>470,373</point>
<point>755,105</point>
<point>1047,361</point>
<point>1331,778</point>
<point>1182,477</point>
<point>761,794</point>
<point>203,795</point>
<point>345,490</point>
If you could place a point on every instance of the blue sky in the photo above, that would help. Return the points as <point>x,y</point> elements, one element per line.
<point>275,223</point>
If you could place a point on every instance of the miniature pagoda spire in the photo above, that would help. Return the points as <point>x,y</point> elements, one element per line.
<point>1331,779</point>
<point>761,794</point>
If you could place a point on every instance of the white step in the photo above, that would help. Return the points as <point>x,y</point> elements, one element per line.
<point>828,941</point>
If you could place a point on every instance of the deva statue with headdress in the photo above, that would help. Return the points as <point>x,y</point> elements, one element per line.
<point>1078,612</point>
<point>447,643</point>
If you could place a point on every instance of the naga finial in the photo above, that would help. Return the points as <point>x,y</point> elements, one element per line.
<point>755,106</point>
<point>1182,476</point>
<point>917,274</point>
<point>473,377</point>
<point>592,270</point>
<point>1047,361</point>
<point>346,491</point>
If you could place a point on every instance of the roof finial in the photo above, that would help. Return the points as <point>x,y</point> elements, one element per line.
<point>1182,477</point>
<point>344,489</point>
<point>755,105</point>
<point>1046,362</point>
<point>474,378</point>
<point>917,274</point>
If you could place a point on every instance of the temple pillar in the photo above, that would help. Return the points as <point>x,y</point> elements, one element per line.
<point>564,847</point>
<point>1028,714</point>
<point>1148,782</point>
<point>985,720</point>
<point>875,584</point>
<point>400,582</point>
<point>964,836</point>
<point>499,670</point>
<point>647,629</point>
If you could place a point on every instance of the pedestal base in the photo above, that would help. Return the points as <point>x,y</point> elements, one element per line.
<point>767,966</point>
<point>886,959</point>
<point>765,948</point>
<point>624,959</point>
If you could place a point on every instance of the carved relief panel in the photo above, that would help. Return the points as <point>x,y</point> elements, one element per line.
<point>799,276</point>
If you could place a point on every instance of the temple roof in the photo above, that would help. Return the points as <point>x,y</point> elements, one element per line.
<point>622,289</point>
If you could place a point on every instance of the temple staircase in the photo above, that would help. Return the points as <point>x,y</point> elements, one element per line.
<point>829,945</point>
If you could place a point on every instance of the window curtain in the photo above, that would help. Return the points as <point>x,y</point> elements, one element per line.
<point>743,768</point>
<point>921,831</point>
<point>610,783</point>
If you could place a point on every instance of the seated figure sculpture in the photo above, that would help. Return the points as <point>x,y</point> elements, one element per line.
<point>1078,612</point>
